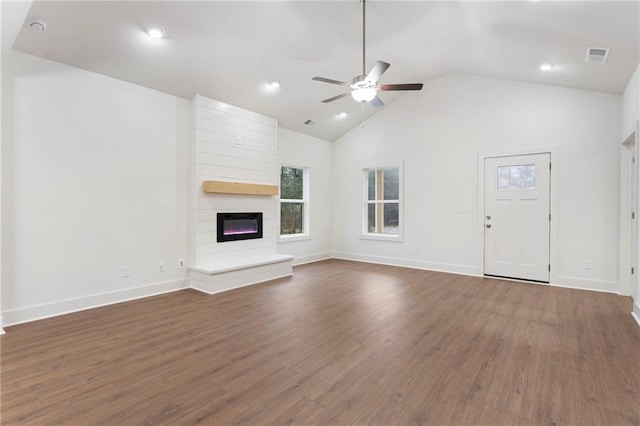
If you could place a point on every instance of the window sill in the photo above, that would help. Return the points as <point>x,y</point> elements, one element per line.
<point>293,238</point>
<point>382,237</point>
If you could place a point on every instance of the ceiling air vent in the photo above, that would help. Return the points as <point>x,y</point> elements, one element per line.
<point>598,55</point>
<point>309,122</point>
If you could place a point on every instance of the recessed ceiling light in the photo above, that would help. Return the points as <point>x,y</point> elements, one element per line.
<point>274,84</point>
<point>547,67</point>
<point>154,31</point>
<point>37,25</point>
<point>341,114</point>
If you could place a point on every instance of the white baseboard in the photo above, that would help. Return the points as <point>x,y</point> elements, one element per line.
<point>450,268</point>
<point>636,311</point>
<point>580,286</point>
<point>48,310</point>
<point>1,325</point>
<point>301,260</point>
<point>585,284</point>
<point>474,271</point>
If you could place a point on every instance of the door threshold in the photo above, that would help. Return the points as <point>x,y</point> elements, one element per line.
<point>525,280</point>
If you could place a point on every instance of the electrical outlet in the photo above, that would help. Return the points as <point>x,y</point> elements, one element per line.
<point>588,265</point>
<point>181,263</point>
<point>161,266</point>
<point>124,272</point>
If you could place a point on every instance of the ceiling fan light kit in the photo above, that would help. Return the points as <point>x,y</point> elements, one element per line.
<point>363,94</point>
<point>364,88</point>
<point>154,31</point>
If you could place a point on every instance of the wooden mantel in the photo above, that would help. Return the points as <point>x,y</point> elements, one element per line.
<point>221,187</point>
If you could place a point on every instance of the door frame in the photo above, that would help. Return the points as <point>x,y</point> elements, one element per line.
<point>628,203</point>
<point>553,200</point>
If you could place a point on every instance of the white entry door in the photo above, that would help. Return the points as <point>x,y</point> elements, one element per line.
<point>517,217</point>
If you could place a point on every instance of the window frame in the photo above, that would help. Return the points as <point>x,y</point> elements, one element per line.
<point>306,215</point>
<point>365,169</point>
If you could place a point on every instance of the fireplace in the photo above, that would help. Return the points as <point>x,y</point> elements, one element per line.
<point>239,226</point>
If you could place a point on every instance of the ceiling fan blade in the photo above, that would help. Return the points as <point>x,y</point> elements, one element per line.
<point>411,86</point>
<point>376,71</point>
<point>376,102</point>
<point>328,80</point>
<point>335,98</point>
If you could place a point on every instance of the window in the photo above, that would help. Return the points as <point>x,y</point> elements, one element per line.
<point>294,206</point>
<point>516,177</point>
<point>383,203</point>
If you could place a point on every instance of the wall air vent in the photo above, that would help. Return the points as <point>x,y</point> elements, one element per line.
<point>309,122</point>
<point>598,55</point>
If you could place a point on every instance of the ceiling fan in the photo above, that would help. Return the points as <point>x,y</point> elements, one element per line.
<point>364,88</point>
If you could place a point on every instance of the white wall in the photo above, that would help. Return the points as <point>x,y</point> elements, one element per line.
<point>316,154</point>
<point>440,133</point>
<point>630,117</point>
<point>12,16</point>
<point>94,177</point>
<point>631,104</point>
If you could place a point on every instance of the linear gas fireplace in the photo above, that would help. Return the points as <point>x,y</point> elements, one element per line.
<point>239,226</point>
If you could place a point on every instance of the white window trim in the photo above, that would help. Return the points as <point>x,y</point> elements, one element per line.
<point>364,235</point>
<point>306,219</point>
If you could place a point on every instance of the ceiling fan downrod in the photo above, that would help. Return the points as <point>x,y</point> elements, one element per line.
<point>364,35</point>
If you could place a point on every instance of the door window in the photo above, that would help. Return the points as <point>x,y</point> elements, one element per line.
<point>519,177</point>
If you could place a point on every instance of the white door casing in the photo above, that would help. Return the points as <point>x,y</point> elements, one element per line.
<point>632,215</point>
<point>628,215</point>
<point>517,216</point>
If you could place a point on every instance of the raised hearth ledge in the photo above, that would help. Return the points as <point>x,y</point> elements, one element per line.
<point>222,276</point>
<point>241,263</point>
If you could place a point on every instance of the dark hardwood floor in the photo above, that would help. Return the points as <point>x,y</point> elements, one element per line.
<point>338,343</point>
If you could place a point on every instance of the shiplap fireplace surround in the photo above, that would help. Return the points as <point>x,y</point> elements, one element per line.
<point>233,167</point>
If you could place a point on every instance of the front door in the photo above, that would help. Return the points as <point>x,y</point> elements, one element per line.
<point>517,217</point>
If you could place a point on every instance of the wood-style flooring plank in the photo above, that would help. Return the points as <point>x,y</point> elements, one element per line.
<point>337,343</point>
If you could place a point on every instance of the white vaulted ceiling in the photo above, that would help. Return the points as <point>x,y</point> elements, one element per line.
<point>229,50</point>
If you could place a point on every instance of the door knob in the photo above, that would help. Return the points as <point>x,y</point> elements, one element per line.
<point>488,225</point>
<point>488,217</point>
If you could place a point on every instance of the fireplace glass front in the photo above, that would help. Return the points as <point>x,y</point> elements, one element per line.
<point>239,226</point>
